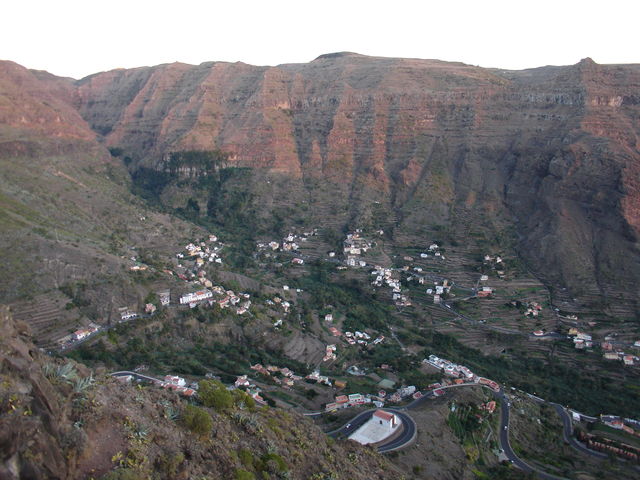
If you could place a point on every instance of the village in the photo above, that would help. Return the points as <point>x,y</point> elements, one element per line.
<point>401,284</point>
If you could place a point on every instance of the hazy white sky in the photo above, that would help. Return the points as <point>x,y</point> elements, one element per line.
<point>79,37</point>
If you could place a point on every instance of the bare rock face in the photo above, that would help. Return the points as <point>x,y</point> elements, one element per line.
<point>32,110</point>
<point>554,148</point>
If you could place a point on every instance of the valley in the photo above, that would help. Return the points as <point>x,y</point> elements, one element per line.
<point>309,236</point>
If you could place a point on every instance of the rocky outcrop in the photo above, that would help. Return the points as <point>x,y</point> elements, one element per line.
<point>31,424</point>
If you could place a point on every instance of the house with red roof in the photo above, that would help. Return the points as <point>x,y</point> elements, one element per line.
<point>387,419</point>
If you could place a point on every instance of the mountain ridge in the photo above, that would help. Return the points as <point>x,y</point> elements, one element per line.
<point>553,148</point>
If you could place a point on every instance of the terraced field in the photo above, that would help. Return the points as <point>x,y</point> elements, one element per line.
<point>47,317</point>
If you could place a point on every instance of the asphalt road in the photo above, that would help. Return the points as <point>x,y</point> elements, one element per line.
<point>567,433</point>
<point>504,428</point>
<point>410,430</point>
<point>137,376</point>
<point>506,446</point>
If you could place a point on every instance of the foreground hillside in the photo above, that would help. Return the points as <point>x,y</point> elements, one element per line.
<point>60,420</point>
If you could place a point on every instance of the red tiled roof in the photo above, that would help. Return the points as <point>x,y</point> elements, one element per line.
<point>383,415</point>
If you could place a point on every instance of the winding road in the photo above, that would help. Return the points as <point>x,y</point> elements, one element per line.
<point>409,431</point>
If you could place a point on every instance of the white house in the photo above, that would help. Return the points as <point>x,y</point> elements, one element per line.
<point>386,419</point>
<point>128,315</point>
<point>195,296</point>
<point>179,381</point>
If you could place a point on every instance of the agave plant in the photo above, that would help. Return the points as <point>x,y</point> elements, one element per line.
<point>140,432</point>
<point>171,412</point>
<point>271,447</point>
<point>240,418</point>
<point>67,372</point>
<point>49,370</point>
<point>82,384</point>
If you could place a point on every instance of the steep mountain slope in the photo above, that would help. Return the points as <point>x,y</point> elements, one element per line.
<point>552,150</point>
<point>66,211</point>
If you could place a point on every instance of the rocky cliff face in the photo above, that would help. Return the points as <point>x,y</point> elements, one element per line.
<point>552,151</point>
<point>555,149</point>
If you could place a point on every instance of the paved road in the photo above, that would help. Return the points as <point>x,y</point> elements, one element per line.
<point>505,405</point>
<point>406,437</point>
<point>504,428</point>
<point>137,376</point>
<point>567,433</point>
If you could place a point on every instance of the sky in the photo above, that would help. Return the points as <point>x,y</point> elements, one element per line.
<point>75,38</point>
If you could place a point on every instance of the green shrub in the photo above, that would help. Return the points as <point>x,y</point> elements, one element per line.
<point>242,474</point>
<point>197,420</point>
<point>272,463</point>
<point>214,394</point>
<point>246,457</point>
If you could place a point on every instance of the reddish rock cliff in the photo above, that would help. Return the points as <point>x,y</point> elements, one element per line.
<point>553,149</point>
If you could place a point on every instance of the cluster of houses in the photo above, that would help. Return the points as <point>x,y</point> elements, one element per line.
<point>439,290</point>
<point>612,353</point>
<point>201,252</point>
<point>450,369</point>
<point>83,333</point>
<point>354,246</point>
<point>286,379</point>
<point>496,263</point>
<point>330,353</point>
<point>628,425</point>
<point>290,243</point>
<point>353,400</point>
<point>353,338</point>
<point>387,277</point>
<point>315,376</point>
<point>433,251</point>
<point>361,338</point>
<point>170,382</point>
<point>400,394</point>
<point>581,340</point>
<point>78,335</point>
<point>280,302</point>
<point>357,399</point>
<point>626,358</point>
<point>240,302</point>
<point>178,384</point>
<point>532,309</point>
